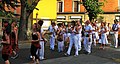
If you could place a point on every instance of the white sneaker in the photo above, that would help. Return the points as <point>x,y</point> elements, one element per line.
<point>115,46</point>
<point>79,49</point>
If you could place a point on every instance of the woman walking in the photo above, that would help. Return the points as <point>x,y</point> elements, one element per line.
<point>6,50</point>
<point>60,38</point>
<point>103,31</point>
<point>35,44</point>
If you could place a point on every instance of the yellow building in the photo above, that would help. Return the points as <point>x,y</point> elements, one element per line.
<point>47,12</point>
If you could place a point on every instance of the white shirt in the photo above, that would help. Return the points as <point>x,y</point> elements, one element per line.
<point>88,28</point>
<point>52,30</point>
<point>102,31</point>
<point>41,34</point>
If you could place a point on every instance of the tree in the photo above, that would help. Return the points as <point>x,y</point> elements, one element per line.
<point>93,8</point>
<point>26,10</point>
<point>3,12</point>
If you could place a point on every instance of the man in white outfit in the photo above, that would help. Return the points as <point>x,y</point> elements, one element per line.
<point>52,30</point>
<point>73,40</point>
<point>79,35</point>
<point>115,28</point>
<point>88,37</point>
<point>42,40</point>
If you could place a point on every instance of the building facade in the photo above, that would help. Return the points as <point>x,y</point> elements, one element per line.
<point>68,10</point>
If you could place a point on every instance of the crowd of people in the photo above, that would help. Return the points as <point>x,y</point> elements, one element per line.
<point>76,34</point>
<point>66,36</point>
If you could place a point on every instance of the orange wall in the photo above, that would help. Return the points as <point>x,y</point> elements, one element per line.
<point>82,9</point>
<point>67,5</point>
<point>109,6</point>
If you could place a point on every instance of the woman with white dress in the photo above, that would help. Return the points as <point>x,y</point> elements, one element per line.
<point>103,31</point>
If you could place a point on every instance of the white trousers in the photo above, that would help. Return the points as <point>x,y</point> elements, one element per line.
<point>60,46</point>
<point>52,42</point>
<point>79,41</point>
<point>116,39</point>
<point>106,39</point>
<point>73,40</point>
<point>87,43</point>
<point>41,51</point>
<point>95,37</point>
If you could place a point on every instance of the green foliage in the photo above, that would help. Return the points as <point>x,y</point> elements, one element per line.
<point>9,3</point>
<point>93,7</point>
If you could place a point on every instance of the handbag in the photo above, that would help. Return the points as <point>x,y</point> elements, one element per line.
<point>60,38</point>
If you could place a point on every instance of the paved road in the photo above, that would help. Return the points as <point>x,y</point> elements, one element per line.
<point>107,56</point>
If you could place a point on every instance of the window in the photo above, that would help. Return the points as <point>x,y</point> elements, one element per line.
<point>76,6</point>
<point>60,6</point>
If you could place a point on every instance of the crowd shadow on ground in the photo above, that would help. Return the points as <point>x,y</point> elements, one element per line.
<point>24,54</point>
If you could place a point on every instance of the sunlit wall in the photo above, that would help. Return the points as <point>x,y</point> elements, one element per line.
<point>47,10</point>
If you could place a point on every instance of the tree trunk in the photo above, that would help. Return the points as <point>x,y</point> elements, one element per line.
<point>22,24</point>
<point>91,18</point>
<point>27,22</point>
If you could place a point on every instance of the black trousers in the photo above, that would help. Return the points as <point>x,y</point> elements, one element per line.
<point>5,57</point>
<point>33,51</point>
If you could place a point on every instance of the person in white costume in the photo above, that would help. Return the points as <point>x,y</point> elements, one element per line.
<point>73,40</point>
<point>115,28</point>
<point>68,29</point>
<point>64,31</point>
<point>52,30</point>
<point>88,37</point>
<point>79,35</point>
<point>103,31</point>
<point>42,40</point>
<point>95,33</point>
<point>107,33</point>
<point>60,38</point>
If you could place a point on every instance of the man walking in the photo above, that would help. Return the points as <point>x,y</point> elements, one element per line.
<point>88,37</point>
<point>115,28</point>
